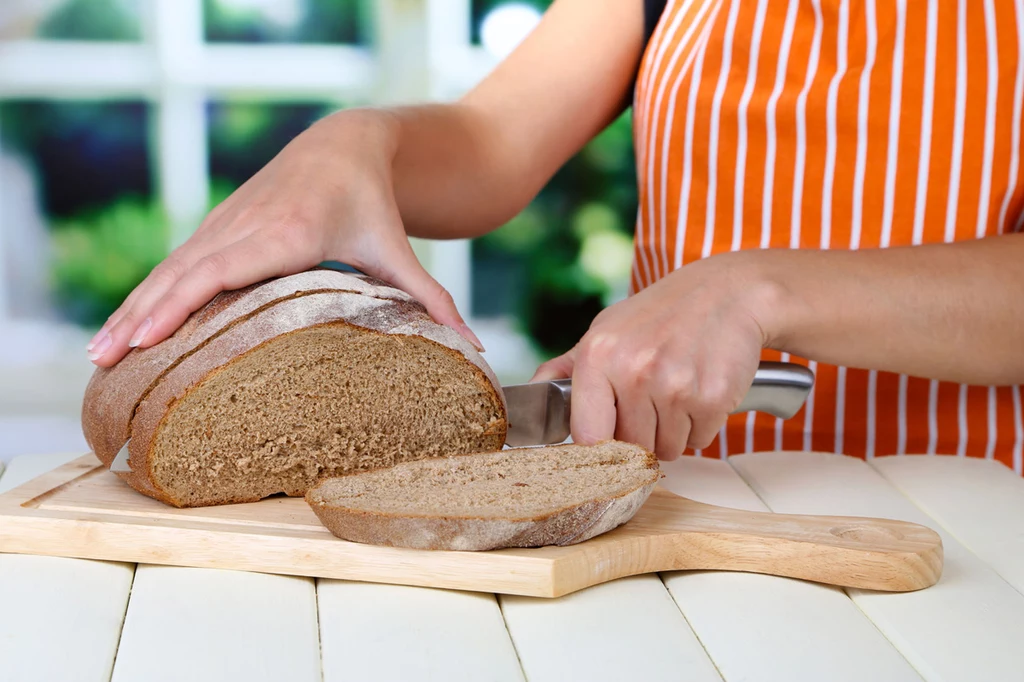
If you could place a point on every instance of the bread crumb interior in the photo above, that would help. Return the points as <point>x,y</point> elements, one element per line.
<point>322,401</point>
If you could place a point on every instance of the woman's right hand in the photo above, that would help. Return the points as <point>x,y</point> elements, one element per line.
<point>328,196</point>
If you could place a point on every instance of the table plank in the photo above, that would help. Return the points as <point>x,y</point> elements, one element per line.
<point>790,630</point>
<point>967,627</point>
<point>628,629</point>
<point>60,619</point>
<point>979,501</point>
<point>395,632</point>
<point>205,624</point>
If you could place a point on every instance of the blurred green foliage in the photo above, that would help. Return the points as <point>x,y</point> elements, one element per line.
<point>318,21</point>
<point>244,136</point>
<point>568,254</point>
<point>93,20</point>
<point>100,255</point>
<point>87,154</point>
<point>92,164</point>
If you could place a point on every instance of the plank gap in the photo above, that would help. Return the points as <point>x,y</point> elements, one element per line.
<point>120,630</point>
<point>511,637</point>
<point>696,633</point>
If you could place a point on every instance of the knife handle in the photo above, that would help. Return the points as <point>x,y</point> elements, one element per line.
<point>779,389</point>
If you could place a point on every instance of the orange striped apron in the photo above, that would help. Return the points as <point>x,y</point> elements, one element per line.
<point>834,124</point>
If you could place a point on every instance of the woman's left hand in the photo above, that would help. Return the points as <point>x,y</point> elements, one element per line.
<point>664,368</point>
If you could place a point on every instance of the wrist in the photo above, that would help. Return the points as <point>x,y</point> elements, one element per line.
<point>365,127</point>
<point>766,284</point>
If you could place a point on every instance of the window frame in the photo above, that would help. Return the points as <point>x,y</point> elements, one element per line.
<point>177,72</point>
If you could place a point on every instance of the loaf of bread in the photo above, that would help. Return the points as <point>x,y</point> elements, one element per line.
<point>526,497</point>
<point>272,388</point>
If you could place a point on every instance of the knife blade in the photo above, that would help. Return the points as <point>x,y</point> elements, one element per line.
<point>120,463</point>
<point>539,413</point>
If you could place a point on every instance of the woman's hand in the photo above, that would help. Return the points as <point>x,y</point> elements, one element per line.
<point>664,368</point>
<point>327,196</point>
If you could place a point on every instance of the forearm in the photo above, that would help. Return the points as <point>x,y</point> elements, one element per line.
<point>449,178</point>
<point>947,311</point>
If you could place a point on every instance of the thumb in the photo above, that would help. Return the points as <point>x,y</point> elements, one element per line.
<point>556,368</point>
<point>401,268</point>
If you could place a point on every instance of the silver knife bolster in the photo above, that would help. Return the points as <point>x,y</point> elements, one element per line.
<point>779,389</point>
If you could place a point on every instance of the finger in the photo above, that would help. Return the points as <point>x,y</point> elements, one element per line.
<point>126,306</point>
<point>709,408</point>
<point>704,429</point>
<point>673,430</point>
<point>555,368</point>
<point>673,393</point>
<point>164,276</point>
<point>254,259</point>
<point>636,420</point>
<point>593,405</point>
<point>399,266</point>
<point>110,346</point>
<point>111,321</point>
<point>137,306</point>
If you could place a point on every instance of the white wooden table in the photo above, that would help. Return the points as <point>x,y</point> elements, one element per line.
<point>65,619</point>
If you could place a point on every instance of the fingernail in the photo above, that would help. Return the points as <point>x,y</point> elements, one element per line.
<point>100,348</point>
<point>99,335</point>
<point>471,337</point>
<point>141,332</point>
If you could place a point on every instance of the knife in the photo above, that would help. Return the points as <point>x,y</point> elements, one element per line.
<point>538,413</point>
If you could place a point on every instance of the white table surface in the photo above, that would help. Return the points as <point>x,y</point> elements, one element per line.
<point>68,619</point>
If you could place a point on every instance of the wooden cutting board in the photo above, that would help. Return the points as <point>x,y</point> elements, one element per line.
<point>82,510</point>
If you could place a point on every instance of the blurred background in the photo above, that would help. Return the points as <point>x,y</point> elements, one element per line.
<point>122,122</point>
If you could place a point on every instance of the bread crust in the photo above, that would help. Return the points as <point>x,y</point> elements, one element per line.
<point>232,325</point>
<point>113,393</point>
<point>568,525</point>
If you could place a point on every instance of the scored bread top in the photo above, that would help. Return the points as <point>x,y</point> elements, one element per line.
<point>513,498</point>
<point>113,394</point>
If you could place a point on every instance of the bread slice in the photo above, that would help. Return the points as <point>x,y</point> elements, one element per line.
<point>312,385</point>
<point>525,497</point>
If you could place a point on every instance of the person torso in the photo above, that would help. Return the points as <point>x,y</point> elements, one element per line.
<point>836,124</point>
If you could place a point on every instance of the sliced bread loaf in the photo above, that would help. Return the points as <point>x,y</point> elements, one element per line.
<point>527,497</point>
<point>113,393</point>
<point>318,383</point>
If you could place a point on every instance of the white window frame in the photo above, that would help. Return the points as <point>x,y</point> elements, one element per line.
<point>421,51</point>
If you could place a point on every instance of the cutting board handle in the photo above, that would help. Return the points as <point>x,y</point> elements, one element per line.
<point>848,551</point>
